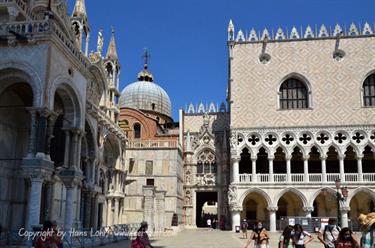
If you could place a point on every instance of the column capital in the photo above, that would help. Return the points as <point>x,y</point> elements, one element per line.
<point>359,156</point>
<point>306,157</point>
<point>236,159</point>
<point>272,208</point>
<point>271,157</point>
<point>341,156</point>
<point>344,208</point>
<point>254,158</point>
<point>323,157</point>
<point>308,209</point>
<point>288,157</point>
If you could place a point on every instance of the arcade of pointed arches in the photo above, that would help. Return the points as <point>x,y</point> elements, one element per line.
<point>257,204</point>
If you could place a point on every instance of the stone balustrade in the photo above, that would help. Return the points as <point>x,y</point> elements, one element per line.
<point>312,178</point>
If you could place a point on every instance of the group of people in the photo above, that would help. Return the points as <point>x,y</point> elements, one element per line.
<point>331,236</point>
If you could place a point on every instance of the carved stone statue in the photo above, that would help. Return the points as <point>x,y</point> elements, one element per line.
<point>232,195</point>
<point>100,42</point>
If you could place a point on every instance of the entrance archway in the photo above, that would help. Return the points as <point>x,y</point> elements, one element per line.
<point>289,204</point>
<point>325,204</point>
<point>205,201</point>
<point>14,140</point>
<point>255,208</point>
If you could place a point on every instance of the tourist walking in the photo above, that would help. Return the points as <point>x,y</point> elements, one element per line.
<point>368,230</point>
<point>260,236</point>
<point>286,238</point>
<point>300,237</point>
<point>244,226</point>
<point>142,240</point>
<point>329,234</point>
<point>346,239</point>
<point>209,224</point>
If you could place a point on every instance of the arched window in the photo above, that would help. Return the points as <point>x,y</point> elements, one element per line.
<point>206,162</point>
<point>369,91</point>
<point>137,131</point>
<point>293,94</point>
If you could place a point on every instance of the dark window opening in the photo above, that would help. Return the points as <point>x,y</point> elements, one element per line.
<point>293,95</point>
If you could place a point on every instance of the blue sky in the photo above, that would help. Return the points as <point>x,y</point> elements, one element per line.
<point>187,39</point>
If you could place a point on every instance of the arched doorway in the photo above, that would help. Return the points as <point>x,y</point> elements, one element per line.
<point>325,204</point>
<point>15,121</point>
<point>255,208</point>
<point>362,203</point>
<point>289,205</point>
<point>206,207</point>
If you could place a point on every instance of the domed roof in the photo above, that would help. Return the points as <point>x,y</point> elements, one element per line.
<point>146,95</point>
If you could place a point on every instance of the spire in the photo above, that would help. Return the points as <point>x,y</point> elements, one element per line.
<point>145,74</point>
<point>112,50</point>
<point>80,9</point>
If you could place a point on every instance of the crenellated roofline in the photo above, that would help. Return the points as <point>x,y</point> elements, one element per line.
<point>301,33</point>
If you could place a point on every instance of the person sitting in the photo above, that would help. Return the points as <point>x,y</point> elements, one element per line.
<point>259,236</point>
<point>346,239</point>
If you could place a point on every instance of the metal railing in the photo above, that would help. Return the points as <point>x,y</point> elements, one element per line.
<point>350,178</point>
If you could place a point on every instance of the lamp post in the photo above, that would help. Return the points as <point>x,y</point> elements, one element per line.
<point>340,197</point>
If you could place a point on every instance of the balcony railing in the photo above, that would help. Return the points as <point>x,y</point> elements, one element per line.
<point>302,178</point>
<point>145,144</point>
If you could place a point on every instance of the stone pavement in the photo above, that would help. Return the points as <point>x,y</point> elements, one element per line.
<point>202,238</point>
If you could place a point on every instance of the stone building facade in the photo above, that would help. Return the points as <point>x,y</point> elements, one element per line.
<point>62,152</point>
<point>153,156</point>
<point>301,117</point>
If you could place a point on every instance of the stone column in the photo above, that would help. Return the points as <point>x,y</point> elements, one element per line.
<point>109,212</point>
<point>254,169</point>
<point>75,149</point>
<point>359,167</point>
<point>272,211</point>
<point>308,211</point>
<point>306,168</point>
<point>42,134</point>
<point>270,167</point>
<point>160,211</point>
<point>34,201</point>
<point>32,137</point>
<point>235,169</point>
<point>69,206</point>
<point>50,124</point>
<point>288,168</point>
<point>236,218</point>
<point>148,214</point>
<point>342,167</point>
<point>344,216</point>
<point>323,159</point>
<point>117,211</point>
<point>67,163</point>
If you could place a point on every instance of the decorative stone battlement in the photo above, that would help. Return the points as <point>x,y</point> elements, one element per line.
<point>205,108</point>
<point>307,33</point>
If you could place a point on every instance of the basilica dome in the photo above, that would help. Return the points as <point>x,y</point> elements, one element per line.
<point>146,95</point>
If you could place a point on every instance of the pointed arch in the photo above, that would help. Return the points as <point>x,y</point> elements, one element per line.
<point>316,193</point>
<point>260,192</point>
<point>359,190</point>
<point>296,192</point>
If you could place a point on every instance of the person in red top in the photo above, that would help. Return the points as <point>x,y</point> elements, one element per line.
<point>346,239</point>
<point>49,239</point>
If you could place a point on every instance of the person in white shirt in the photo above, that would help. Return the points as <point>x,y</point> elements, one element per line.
<point>300,235</point>
<point>209,224</point>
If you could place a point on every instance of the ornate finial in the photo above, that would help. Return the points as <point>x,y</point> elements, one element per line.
<point>146,56</point>
<point>145,75</point>
<point>112,50</point>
